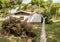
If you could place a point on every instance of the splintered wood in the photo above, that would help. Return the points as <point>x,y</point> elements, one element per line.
<point>13,26</point>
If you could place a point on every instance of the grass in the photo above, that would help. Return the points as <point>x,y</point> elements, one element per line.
<point>37,38</point>
<point>4,40</point>
<point>52,33</point>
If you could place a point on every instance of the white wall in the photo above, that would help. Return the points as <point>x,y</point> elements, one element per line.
<point>35,18</point>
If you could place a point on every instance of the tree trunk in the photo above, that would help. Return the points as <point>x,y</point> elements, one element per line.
<point>43,33</point>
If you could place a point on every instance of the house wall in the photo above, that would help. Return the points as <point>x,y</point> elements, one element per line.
<point>32,18</point>
<point>19,16</point>
<point>36,18</point>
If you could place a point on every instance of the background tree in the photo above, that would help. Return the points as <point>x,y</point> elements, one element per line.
<point>0,5</point>
<point>8,5</point>
<point>55,10</point>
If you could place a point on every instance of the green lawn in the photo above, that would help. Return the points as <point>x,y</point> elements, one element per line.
<point>52,33</point>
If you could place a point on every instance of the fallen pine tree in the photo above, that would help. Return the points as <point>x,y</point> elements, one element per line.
<point>13,26</point>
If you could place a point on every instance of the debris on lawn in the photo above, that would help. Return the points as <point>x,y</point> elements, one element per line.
<point>13,26</point>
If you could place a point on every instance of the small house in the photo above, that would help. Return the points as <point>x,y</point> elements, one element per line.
<point>28,16</point>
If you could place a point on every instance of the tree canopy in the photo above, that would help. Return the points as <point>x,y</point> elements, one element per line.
<point>45,8</point>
